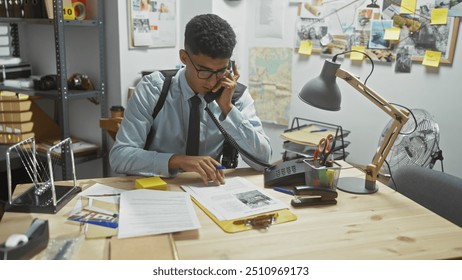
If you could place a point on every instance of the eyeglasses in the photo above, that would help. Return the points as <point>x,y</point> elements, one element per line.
<point>206,74</point>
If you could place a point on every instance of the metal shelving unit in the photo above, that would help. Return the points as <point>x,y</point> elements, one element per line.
<point>63,95</point>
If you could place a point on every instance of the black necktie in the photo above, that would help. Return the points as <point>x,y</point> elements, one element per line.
<point>192,146</point>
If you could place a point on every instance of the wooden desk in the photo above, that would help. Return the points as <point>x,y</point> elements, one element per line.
<point>384,225</point>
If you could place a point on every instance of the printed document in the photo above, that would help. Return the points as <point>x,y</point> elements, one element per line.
<point>237,198</point>
<point>97,205</point>
<point>146,212</point>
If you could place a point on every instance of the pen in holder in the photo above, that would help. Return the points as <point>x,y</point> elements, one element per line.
<point>321,176</point>
<point>321,185</point>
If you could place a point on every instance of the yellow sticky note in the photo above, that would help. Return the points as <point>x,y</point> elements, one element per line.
<point>432,58</point>
<point>408,7</point>
<point>392,33</point>
<point>306,46</point>
<point>153,183</point>
<point>439,16</point>
<point>357,55</point>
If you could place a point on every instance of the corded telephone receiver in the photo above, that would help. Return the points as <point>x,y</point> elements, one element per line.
<point>230,147</point>
<point>229,155</point>
<point>211,96</point>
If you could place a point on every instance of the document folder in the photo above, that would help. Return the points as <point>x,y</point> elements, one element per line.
<point>259,221</point>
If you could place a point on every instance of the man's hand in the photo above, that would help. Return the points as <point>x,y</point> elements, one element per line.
<point>229,83</point>
<point>205,166</point>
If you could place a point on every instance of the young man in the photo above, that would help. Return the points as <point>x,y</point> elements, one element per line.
<point>209,44</point>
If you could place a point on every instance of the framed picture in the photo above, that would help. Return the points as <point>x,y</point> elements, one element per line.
<point>152,23</point>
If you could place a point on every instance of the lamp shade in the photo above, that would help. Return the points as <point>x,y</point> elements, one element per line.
<point>323,92</point>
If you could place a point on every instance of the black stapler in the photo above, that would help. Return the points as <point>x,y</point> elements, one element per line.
<point>308,196</point>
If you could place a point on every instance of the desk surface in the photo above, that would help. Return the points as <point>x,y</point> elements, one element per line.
<point>384,225</point>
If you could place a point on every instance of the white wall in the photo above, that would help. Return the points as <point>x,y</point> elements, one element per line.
<point>434,90</point>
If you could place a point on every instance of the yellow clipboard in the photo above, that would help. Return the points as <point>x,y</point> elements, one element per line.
<point>251,222</point>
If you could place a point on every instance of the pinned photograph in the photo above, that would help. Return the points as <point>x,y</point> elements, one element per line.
<point>377,40</point>
<point>404,60</point>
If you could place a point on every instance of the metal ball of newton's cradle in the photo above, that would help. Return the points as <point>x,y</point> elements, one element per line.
<point>41,188</point>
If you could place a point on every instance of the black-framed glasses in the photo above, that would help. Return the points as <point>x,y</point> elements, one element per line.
<point>206,74</point>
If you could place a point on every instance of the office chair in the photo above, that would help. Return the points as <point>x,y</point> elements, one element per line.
<point>437,191</point>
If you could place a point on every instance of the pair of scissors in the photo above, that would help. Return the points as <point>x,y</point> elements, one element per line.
<point>325,148</point>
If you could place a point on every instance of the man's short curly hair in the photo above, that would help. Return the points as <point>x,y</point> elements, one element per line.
<point>209,35</point>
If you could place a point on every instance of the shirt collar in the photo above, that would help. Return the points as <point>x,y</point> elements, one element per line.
<point>186,90</point>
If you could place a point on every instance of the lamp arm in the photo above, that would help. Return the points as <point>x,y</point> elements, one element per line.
<point>400,117</point>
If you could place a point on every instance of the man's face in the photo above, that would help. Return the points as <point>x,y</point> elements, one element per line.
<point>203,72</point>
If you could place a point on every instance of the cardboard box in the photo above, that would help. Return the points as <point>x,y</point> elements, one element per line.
<point>20,127</point>
<point>15,117</point>
<point>13,138</point>
<point>16,106</point>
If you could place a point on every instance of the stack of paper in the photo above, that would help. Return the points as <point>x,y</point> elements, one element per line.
<point>146,212</point>
<point>131,213</point>
<point>310,136</point>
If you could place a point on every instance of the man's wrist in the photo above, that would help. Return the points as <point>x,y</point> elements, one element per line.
<point>174,162</point>
<point>225,110</point>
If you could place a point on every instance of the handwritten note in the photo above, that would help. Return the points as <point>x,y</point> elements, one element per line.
<point>408,7</point>
<point>306,47</point>
<point>432,58</point>
<point>439,16</point>
<point>356,55</point>
<point>392,33</point>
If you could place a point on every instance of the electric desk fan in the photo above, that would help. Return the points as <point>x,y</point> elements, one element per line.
<point>418,143</point>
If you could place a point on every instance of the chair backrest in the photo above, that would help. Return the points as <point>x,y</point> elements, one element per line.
<point>437,191</point>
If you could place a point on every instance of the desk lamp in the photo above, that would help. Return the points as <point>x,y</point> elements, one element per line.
<point>323,92</point>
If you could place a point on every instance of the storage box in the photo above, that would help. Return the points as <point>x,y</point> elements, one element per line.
<point>15,105</point>
<point>321,176</point>
<point>19,127</point>
<point>14,71</point>
<point>15,117</point>
<point>13,138</point>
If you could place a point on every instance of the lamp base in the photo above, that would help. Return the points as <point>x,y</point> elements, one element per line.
<point>356,185</point>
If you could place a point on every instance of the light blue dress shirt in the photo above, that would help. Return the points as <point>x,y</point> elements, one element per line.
<point>170,129</point>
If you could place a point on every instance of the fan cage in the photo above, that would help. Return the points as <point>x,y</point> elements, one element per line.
<point>413,146</point>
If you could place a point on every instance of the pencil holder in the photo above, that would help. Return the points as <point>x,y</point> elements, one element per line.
<point>321,176</point>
